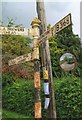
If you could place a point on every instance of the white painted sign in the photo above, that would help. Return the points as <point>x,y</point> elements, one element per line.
<point>21,59</point>
<point>63,23</point>
<point>46,88</point>
<point>47,101</point>
<point>15,31</point>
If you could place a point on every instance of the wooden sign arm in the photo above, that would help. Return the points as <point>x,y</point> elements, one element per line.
<point>21,59</point>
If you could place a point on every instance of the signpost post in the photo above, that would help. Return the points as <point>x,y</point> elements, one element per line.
<point>34,31</point>
<point>46,65</point>
<point>35,57</point>
<point>46,61</point>
<point>35,25</point>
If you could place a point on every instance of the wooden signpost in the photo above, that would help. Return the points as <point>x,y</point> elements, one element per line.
<point>35,25</point>
<point>16,31</point>
<point>35,57</point>
<point>63,23</point>
<point>21,59</point>
<point>34,31</point>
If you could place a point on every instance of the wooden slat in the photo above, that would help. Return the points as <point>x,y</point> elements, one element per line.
<point>63,23</point>
<point>16,31</point>
<point>21,59</point>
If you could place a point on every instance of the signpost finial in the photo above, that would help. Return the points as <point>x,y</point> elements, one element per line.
<point>35,22</point>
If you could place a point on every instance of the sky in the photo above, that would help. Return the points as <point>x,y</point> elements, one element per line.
<point>23,12</point>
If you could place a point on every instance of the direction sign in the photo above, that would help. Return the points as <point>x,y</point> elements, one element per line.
<point>21,59</point>
<point>63,23</point>
<point>16,31</point>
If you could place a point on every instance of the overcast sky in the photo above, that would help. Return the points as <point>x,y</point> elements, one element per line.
<point>23,12</point>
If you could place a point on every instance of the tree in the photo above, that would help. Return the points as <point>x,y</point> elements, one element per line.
<point>64,41</point>
<point>1,23</point>
<point>11,23</point>
<point>12,47</point>
<point>15,45</point>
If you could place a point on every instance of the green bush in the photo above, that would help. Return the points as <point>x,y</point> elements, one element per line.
<point>68,97</point>
<point>7,79</point>
<point>63,42</point>
<point>20,97</point>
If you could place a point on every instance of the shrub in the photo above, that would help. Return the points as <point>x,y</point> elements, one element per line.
<point>65,41</point>
<point>68,97</point>
<point>20,97</point>
<point>7,79</point>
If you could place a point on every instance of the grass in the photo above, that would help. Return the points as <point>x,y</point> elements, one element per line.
<point>9,114</point>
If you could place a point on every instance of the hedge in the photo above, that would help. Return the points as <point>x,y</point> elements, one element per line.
<point>19,97</point>
<point>68,98</point>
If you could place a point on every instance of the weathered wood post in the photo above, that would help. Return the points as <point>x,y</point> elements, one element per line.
<point>46,61</point>
<point>35,25</point>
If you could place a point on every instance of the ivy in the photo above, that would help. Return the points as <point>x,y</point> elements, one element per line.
<point>65,41</point>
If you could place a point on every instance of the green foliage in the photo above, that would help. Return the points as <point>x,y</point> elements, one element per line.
<point>19,97</point>
<point>68,98</point>
<point>11,23</point>
<point>48,27</point>
<point>63,42</point>
<point>1,23</point>
<point>7,79</point>
<point>15,45</point>
<point>12,47</point>
<point>8,114</point>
